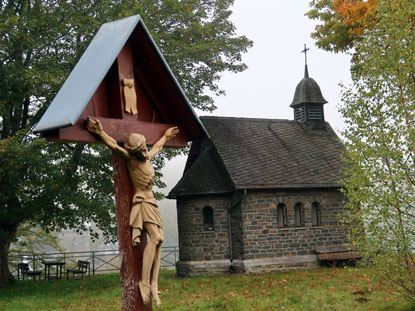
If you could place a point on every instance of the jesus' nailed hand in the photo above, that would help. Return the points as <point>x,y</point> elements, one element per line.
<point>144,215</point>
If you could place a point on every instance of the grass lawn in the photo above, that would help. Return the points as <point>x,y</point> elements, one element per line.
<point>319,289</point>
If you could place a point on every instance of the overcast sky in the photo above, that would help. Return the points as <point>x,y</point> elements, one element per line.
<point>279,31</point>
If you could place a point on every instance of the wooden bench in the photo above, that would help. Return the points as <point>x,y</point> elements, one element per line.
<point>332,254</point>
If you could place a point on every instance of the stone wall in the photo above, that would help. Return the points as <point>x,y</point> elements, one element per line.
<point>258,244</point>
<point>195,243</point>
<point>263,239</point>
<point>237,232</point>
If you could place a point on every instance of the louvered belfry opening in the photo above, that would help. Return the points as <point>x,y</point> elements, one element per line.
<point>315,113</point>
<point>299,114</point>
<point>308,101</point>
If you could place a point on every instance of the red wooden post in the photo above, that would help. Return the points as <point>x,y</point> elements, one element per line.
<point>131,258</point>
<point>131,262</point>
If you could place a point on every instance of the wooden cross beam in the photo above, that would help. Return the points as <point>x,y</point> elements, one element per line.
<point>118,129</point>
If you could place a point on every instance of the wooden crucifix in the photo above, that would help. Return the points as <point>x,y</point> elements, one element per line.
<point>123,83</point>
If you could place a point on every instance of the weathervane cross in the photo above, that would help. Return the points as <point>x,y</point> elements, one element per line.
<point>305,53</point>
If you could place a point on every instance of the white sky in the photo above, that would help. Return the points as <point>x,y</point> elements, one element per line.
<point>279,30</point>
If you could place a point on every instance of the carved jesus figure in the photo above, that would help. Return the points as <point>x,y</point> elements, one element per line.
<point>144,215</point>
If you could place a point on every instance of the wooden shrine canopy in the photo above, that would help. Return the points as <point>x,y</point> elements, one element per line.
<point>121,50</point>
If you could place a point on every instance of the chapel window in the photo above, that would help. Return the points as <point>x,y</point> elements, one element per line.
<point>316,214</point>
<point>299,215</point>
<point>282,215</point>
<point>208,218</point>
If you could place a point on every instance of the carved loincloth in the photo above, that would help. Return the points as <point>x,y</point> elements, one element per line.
<point>143,212</point>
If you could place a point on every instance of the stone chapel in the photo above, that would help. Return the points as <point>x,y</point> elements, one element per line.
<point>261,194</point>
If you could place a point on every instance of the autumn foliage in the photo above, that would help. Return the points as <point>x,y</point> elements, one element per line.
<point>343,22</point>
<point>357,15</point>
<point>378,109</point>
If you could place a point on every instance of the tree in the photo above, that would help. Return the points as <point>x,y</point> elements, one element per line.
<point>344,22</point>
<point>66,186</point>
<point>31,239</point>
<point>379,111</point>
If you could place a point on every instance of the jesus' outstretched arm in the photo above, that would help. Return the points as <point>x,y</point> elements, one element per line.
<point>95,127</point>
<point>158,146</point>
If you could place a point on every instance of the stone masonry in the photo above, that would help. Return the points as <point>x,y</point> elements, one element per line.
<point>258,243</point>
<point>199,247</point>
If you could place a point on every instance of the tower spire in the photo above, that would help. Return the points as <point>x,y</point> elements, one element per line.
<point>308,101</point>
<point>305,60</point>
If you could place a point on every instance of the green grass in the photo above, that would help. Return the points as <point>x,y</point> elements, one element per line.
<point>319,289</point>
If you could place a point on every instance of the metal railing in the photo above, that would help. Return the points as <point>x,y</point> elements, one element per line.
<point>103,261</point>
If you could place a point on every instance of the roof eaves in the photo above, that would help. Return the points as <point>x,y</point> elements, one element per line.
<point>177,195</point>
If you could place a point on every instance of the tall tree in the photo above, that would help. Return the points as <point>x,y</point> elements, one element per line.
<point>67,186</point>
<point>379,111</point>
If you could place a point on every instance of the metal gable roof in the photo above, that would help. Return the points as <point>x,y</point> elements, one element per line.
<point>88,73</point>
<point>92,68</point>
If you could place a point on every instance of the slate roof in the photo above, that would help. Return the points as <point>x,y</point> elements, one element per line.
<point>307,92</point>
<point>268,153</point>
<point>206,175</point>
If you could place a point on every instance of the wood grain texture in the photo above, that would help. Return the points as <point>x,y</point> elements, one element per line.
<point>119,130</point>
<point>125,71</point>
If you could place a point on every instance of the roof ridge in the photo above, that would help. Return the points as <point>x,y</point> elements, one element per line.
<point>246,118</point>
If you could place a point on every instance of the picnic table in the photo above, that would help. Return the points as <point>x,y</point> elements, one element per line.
<point>58,264</point>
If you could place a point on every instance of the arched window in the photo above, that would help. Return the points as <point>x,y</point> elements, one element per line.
<point>299,215</point>
<point>208,218</point>
<point>281,215</point>
<point>316,214</point>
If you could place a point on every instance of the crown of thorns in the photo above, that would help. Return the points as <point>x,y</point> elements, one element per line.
<point>136,142</point>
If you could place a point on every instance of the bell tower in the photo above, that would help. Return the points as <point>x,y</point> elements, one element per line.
<point>308,101</point>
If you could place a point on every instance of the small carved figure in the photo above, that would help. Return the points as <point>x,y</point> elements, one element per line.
<point>144,215</point>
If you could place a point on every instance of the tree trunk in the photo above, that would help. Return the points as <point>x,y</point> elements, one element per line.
<point>5,275</point>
